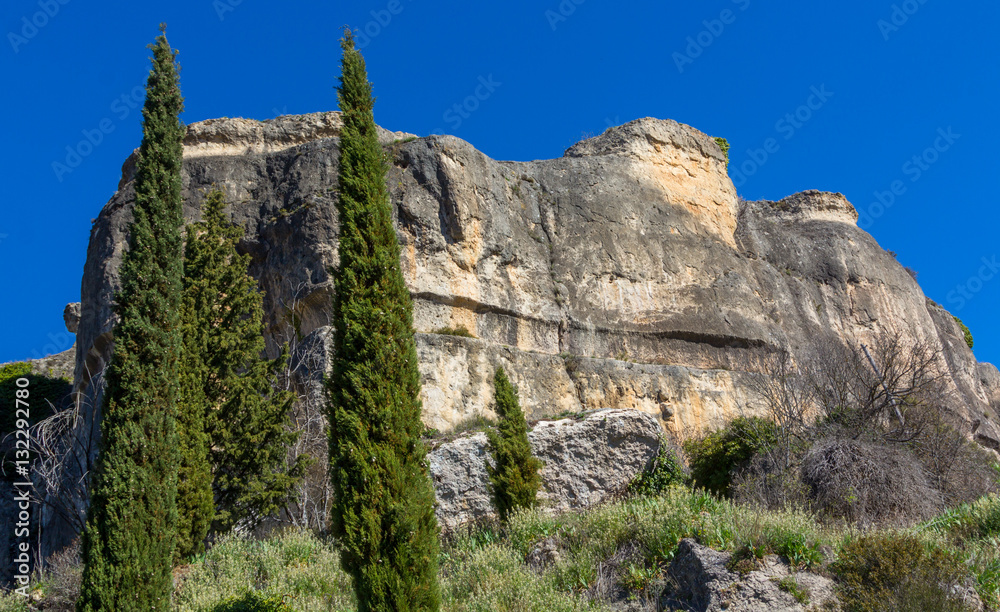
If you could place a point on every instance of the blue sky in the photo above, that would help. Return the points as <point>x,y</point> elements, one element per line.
<point>865,98</point>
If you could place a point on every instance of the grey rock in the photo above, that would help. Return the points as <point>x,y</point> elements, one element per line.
<point>989,377</point>
<point>71,316</point>
<point>461,485</point>
<point>584,462</point>
<point>702,583</point>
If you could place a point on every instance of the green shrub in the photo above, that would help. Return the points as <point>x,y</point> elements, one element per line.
<point>12,602</point>
<point>896,571</point>
<point>716,457</point>
<point>965,331</point>
<point>253,601</point>
<point>664,471</point>
<point>724,145</point>
<point>472,423</point>
<point>790,586</point>
<point>974,530</point>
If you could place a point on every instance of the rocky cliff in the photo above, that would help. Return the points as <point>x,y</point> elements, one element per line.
<point>625,274</point>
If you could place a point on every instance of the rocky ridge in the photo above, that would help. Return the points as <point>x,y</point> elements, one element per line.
<point>626,274</point>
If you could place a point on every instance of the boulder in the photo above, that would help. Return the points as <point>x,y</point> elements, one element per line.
<point>585,461</point>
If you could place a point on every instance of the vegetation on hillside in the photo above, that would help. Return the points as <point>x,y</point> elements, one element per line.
<point>965,331</point>
<point>612,554</point>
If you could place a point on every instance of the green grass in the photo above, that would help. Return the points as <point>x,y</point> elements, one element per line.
<point>461,331</point>
<point>12,602</point>
<point>790,586</point>
<point>294,566</point>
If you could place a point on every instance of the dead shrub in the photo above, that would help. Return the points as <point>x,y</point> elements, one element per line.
<point>868,483</point>
<point>62,577</point>
<point>767,482</point>
<point>957,467</point>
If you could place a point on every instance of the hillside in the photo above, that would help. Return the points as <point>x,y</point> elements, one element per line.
<point>626,274</point>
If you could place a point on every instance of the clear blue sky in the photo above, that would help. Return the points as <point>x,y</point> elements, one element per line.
<point>892,76</point>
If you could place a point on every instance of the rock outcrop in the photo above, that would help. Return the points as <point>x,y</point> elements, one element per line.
<point>585,460</point>
<point>625,274</point>
<point>703,583</point>
<point>71,316</point>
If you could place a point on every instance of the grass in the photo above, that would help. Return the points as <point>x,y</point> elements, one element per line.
<point>295,566</point>
<point>790,586</point>
<point>461,331</point>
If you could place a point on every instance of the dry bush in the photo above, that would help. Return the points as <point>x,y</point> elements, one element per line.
<point>868,483</point>
<point>887,454</point>
<point>957,467</point>
<point>884,387</point>
<point>310,506</point>
<point>62,577</point>
<point>768,483</point>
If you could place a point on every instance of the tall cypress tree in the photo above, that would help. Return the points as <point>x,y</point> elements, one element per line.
<point>236,421</point>
<point>128,544</point>
<point>383,512</point>
<point>514,479</point>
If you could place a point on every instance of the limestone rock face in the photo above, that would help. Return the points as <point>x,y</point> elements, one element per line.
<point>625,274</point>
<point>631,257</point>
<point>703,583</point>
<point>584,462</point>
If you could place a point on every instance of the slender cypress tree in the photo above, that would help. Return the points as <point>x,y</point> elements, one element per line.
<point>514,479</point>
<point>383,512</point>
<point>128,544</point>
<point>238,420</point>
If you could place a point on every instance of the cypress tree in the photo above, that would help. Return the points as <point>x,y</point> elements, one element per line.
<point>383,514</point>
<point>238,420</point>
<point>128,543</point>
<point>514,479</point>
